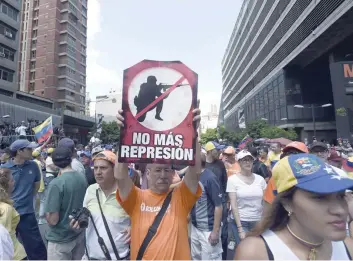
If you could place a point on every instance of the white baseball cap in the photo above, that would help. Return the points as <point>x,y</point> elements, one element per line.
<point>242,154</point>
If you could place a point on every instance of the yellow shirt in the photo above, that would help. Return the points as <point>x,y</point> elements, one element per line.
<point>41,186</point>
<point>9,219</point>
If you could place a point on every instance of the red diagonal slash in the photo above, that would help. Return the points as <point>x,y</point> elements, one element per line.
<point>147,108</point>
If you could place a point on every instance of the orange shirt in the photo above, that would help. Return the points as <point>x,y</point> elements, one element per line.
<point>270,191</point>
<point>232,168</point>
<point>171,240</point>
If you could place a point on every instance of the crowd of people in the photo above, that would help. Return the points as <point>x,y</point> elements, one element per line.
<point>262,203</point>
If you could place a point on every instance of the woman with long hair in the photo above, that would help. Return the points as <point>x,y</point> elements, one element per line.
<point>307,219</point>
<point>9,217</point>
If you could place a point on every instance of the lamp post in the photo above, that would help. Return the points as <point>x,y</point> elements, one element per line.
<point>313,107</point>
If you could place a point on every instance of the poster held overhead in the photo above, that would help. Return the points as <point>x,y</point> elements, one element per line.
<point>158,100</point>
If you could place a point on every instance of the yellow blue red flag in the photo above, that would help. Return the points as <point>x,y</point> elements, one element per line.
<point>44,130</point>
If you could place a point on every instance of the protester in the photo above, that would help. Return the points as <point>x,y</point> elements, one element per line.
<point>171,240</point>
<point>292,148</point>
<point>206,217</point>
<point>307,220</point>
<point>118,220</point>
<point>245,193</point>
<point>75,164</point>
<point>86,160</point>
<point>274,155</point>
<point>258,166</point>
<point>65,194</point>
<point>26,175</point>
<point>321,150</point>
<point>232,166</point>
<point>37,158</point>
<point>217,167</point>
<point>6,246</point>
<point>9,217</point>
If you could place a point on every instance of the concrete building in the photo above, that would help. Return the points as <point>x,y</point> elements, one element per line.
<point>281,54</point>
<point>53,51</point>
<point>10,21</point>
<point>108,105</point>
<point>209,120</point>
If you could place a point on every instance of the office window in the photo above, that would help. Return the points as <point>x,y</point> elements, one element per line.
<point>83,59</point>
<point>9,11</point>
<point>71,29</point>
<point>84,21</point>
<point>34,33</point>
<point>7,32</point>
<point>33,64</point>
<point>72,8</point>
<point>83,49</point>
<point>33,54</point>
<point>71,40</point>
<point>82,79</point>
<point>84,10</point>
<point>34,43</point>
<point>32,76</point>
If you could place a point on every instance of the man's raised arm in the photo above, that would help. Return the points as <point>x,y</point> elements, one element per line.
<point>121,170</point>
<point>193,173</point>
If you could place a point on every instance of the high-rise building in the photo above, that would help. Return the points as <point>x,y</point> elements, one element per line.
<point>53,51</point>
<point>9,43</point>
<point>278,66</point>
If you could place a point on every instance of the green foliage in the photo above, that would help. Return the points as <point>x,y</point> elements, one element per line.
<point>209,135</point>
<point>110,132</point>
<point>257,129</point>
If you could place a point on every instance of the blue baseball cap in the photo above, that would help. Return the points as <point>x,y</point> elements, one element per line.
<point>86,154</point>
<point>308,172</point>
<point>109,147</point>
<point>21,144</point>
<point>66,143</point>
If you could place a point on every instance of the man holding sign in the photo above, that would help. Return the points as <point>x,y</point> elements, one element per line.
<point>159,228</point>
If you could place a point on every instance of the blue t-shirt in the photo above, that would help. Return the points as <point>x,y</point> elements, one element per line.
<point>25,176</point>
<point>202,214</point>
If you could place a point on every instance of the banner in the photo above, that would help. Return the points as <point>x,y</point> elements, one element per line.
<point>244,141</point>
<point>158,100</point>
<point>44,130</point>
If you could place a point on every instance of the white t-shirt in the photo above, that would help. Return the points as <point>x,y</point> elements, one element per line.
<point>6,245</point>
<point>22,130</point>
<point>249,197</point>
<point>50,171</point>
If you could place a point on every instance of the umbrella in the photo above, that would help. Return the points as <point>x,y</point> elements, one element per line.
<point>261,140</point>
<point>282,141</point>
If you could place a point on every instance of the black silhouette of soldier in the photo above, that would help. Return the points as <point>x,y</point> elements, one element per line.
<point>150,91</point>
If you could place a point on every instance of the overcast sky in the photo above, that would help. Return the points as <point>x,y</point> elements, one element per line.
<point>123,32</point>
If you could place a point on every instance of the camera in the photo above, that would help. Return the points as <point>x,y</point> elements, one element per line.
<point>81,216</point>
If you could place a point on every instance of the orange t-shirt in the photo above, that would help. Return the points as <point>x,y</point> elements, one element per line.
<point>171,240</point>
<point>270,191</point>
<point>232,168</point>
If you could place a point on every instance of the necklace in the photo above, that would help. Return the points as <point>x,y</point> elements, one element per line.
<point>313,246</point>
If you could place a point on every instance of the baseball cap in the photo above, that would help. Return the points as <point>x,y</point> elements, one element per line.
<point>318,144</point>
<point>66,143</point>
<point>106,155</point>
<point>242,154</point>
<point>212,145</point>
<point>96,150</point>
<point>21,144</point>
<point>109,147</point>
<point>308,172</point>
<point>229,150</point>
<point>85,153</point>
<point>50,150</point>
<point>296,145</point>
<point>62,157</point>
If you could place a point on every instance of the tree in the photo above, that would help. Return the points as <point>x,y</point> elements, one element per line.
<point>209,135</point>
<point>273,132</point>
<point>110,132</point>
<point>254,129</point>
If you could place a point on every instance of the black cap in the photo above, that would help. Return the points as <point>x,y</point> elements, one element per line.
<point>62,157</point>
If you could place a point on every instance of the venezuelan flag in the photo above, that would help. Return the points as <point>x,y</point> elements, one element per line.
<point>44,130</point>
<point>244,141</point>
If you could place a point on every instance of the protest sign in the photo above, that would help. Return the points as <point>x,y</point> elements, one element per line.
<point>158,100</point>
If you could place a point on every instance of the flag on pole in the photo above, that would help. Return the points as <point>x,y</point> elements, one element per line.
<point>44,130</point>
<point>244,141</point>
